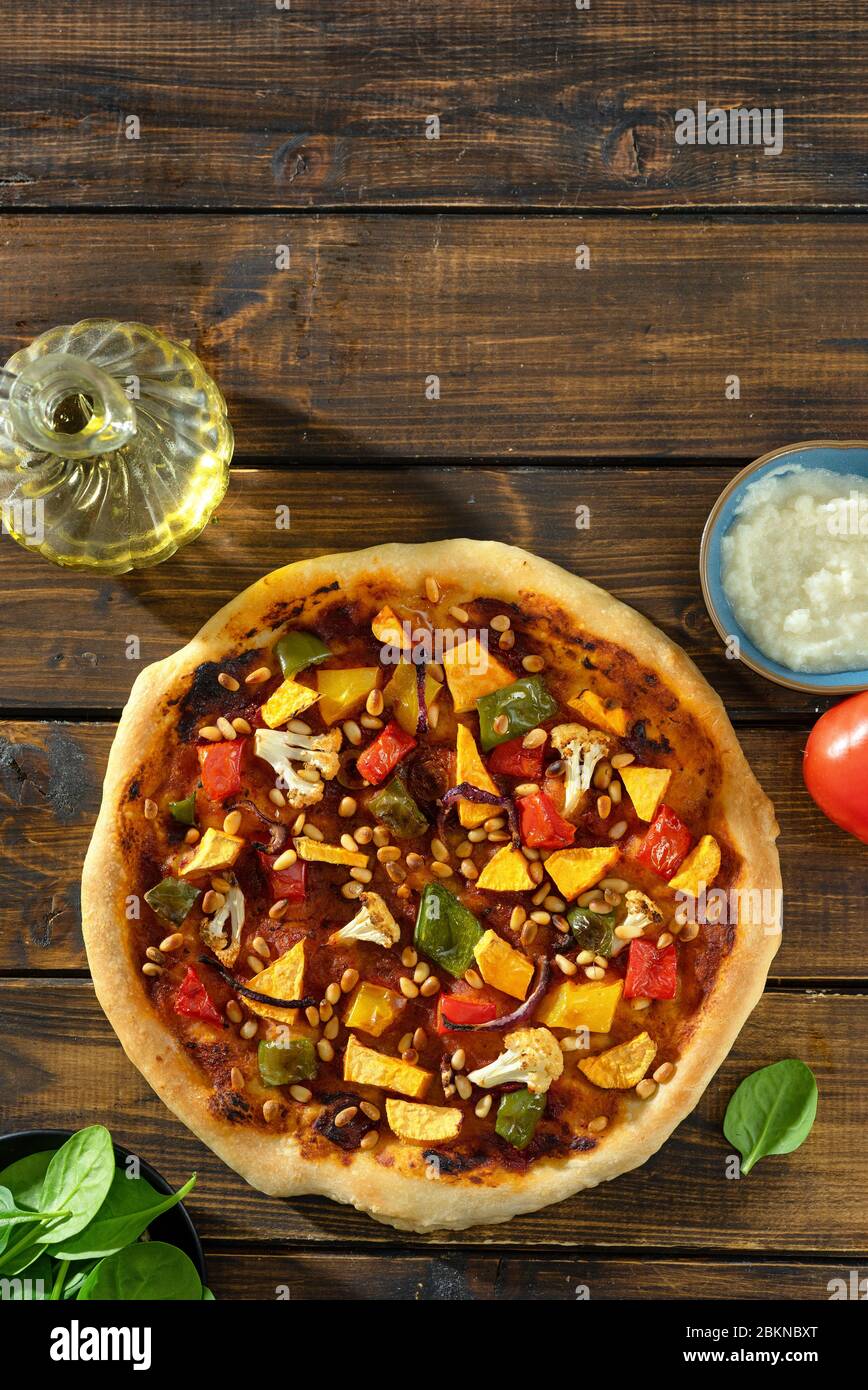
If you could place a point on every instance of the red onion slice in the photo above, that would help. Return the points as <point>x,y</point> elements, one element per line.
<point>466,792</point>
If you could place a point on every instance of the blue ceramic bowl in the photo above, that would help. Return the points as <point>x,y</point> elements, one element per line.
<point>850,456</point>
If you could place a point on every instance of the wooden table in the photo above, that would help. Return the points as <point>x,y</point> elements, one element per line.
<point>413,257</point>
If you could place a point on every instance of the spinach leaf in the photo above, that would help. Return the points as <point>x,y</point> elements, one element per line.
<point>77,1180</point>
<point>772,1111</point>
<point>128,1210</point>
<point>148,1270</point>
<point>34,1287</point>
<point>25,1178</point>
<point>207,1295</point>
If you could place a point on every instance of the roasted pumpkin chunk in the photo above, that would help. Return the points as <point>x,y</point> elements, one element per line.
<point>588,1005</point>
<point>622,1067</point>
<point>343,690</point>
<point>386,627</point>
<point>595,711</point>
<point>316,852</point>
<point>472,672</point>
<point>214,851</point>
<point>369,1068</point>
<point>373,1008</point>
<point>470,768</point>
<point>284,979</point>
<point>288,700</point>
<point>646,787</point>
<point>423,1124</point>
<point>501,966</point>
<point>506,872</point>
<point>699,869</point>
<point>576,870</point>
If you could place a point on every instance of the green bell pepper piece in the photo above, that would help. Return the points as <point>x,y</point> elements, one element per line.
<point>395,807</point>
<point>282,1063</point>
<point>184,811</point>
<point>518,1115</point>
<point>526,703</point>
<point>172,899</point>
<point>298,650</point>
<point>446,931</point>
<point>593,931</point>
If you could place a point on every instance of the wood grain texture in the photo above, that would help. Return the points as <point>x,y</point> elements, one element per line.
<point>60,1061</point>
<point>458,1276</point>
<point>329,358</point>
<point>642,544</point>
<point>326,103</point>
<point>50,780</point>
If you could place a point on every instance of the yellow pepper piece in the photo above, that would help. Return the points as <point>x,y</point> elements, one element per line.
<point>472,673</point>
<point>506,872</point>
<point>315,852</point>
<point>214,851</point>
<point>287,701</point>
<point>594,711</point>
<point>501,966</point>
<point>342,691</point>
<point>373,1009</point>
<point>699,869</point>
<point>469,767</point>
<point>622,1067</point>
<point>387,628</point>
<point>284,979</point>
<point>572,1005</point>
<point>576,870</point>
<point>423,1124</point>
<point>402,695</point>
<point>646,787</point>
<point>369,1068</point>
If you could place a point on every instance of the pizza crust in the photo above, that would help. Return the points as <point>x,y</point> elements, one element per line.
<point>412,1201</point>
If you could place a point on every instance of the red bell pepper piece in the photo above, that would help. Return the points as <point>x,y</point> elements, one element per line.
<point>666,843</point>
<point>459,1008</point>
<point>512,759</point>
<point>384,754</point>
<point>193,1000</point>
<point>542,827</point>
<point>651,974</point>
<point>221,767</point>
<point>285,884</point>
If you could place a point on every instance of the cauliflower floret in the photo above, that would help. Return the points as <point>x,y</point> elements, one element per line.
<point>317,753</point>
<point>581,750</point>
<point>641,913</point>
<point>532,1057</point>
<point>373,922</point>
<point>213,929</point>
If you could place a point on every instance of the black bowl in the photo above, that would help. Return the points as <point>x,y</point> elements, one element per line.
<point>174,1227</point>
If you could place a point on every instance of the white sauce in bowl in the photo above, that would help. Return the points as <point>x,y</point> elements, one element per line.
<point>794,566</point>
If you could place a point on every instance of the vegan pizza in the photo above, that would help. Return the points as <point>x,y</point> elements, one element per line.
<point>395,893</point>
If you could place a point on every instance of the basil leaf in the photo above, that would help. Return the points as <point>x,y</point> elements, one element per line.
<point>772,1111</point>
<point>149,1270</point>
<point>25,1178</point>
<point>128,1210</point>
<point>77,1180</point>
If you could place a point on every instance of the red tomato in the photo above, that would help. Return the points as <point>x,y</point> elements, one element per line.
<point>512,759</point>
<point>666,844</point>
<point>836,764</point>
<point>193,1000</point>
<point>651,974</point>
<point>384,754</point>
<point>541,825</point>
<point>287,884</point>
<point>458,1008</point>
<point>221,767</point>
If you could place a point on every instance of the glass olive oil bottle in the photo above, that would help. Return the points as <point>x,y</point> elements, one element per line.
<point>114,446</point>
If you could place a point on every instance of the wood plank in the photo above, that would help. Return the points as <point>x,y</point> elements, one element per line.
<point>331,357</point>
<point>50,780</point>
<point>326,103</point>
<point>642,544</point>
<point>61,1062</point>
<point>345,1275</point>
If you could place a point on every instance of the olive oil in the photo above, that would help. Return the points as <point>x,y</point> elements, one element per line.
<point>114,446</point>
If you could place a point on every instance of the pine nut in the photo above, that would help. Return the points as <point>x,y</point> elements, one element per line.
<point>623,759</point>
<point>258,676</point>
<point>646,1088</point>
<point>228,682</point>
<point>300,1093</point>
<point>249,1029</point>
<point>349,980</point>
<point>370,1140</point>
<point>408,957</point>
<point>211,734</point>
<point>483,1106</point>
<point>617,830</point>
<point>564,964</point>
<point>325,1051</point>
<point>343,1117</point>
<point>534,739</point>
<point>430,986</point>
<point>463,1087</point>
<point>352,732</point>
<point>173,942</point>
<point>347,807</point>
<point>233,1011</point>
<point>598,1124</point>
<point>150,809</point>
<point>285,860</point>
<point>226,728</point>
<point>236,1077</point>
